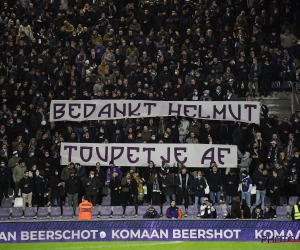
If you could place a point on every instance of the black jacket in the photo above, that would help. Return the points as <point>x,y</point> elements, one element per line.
<point>93,187</point>
<point>255,214</point>
<point>200,192</point>
<point>259,177</point>
<point>26,181</point>
<point>99,173</point>
<point>214,181</point>
<point>53,184</point>
<point>72,185</point>
<point>4,174</point>
<point>40,185</point>
<point>81,175</point>
<point>275,182</point>
<point>235,210</point>
<point>231,189</point>
<point>246,209</point>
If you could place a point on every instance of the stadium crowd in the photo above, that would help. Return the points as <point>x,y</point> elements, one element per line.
<point>146,50</point>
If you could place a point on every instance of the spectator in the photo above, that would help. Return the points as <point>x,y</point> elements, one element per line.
<point>18,174</point>
<point>56,189</point>
<point>5,175</point>
<point>257,213</point>
<point>246,185</point>
<point>183,184</point>
<point>72,189</point>
<point>174,212</point>
<point>67,171</point>
<point>92,187</point>
<point>231,186</point>
<point>236,212</point>
<point>275,184</point>
<point>183,129</point>
<point>155,189</point>
<point>26,186</point>
<point>115,187</point>
<point>215,182</point>
<point>260,179</point>
<point>99,173</point>
<point>245,210</point>
<point>167,185</point>
<point>207,210</point>
<point>199,185</point>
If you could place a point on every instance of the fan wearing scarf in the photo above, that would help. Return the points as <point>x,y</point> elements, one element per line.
<point>273,153</point>
<point>109,172</point>
<point>290,150</point>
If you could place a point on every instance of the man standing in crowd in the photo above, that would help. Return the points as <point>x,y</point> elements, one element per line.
<point>183,184</point>
<point>246,185</point>
<point>26,186</point>
<point>92,187</point>
<point>72,185</point>
<point>18,174</point>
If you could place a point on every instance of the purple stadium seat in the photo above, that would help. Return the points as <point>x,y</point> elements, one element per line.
<point>192,211</point>
<point>4,213</point>
<point>30,213</point>
<point>142,210</point>
<point>95,212</point>
<point>218,210</point>
<point>130,211</point>
<point>42,213</point>
<point>164,210</point>
<point>293,200</point>
<point>157,208</point>
<point>55,213</point>
<point>117,211</point>
<point>105,212</point>
<point>281,212</point>
<point>67,213</point>
<point>6,202</point>
<point>267,201</point>
<point>106,201</point>
<point>17,213</point>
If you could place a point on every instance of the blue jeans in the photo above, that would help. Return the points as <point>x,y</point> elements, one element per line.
<point>169,197</point>
<point>78,131</point>
<point>182,138</point>
<point>197,198</point>
<point>260,198</point>
<point>229,199</point>
<point>212,196</point>
<point>53,202</point>
<point>247,197</point>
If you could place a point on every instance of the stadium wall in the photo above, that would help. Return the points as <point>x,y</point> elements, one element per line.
<point>146,230</point>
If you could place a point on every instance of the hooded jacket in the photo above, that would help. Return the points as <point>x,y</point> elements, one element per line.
<point>245,162</point>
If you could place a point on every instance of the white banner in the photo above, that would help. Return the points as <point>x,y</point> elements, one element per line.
<point>80,110</point>
<point>123,154</point>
